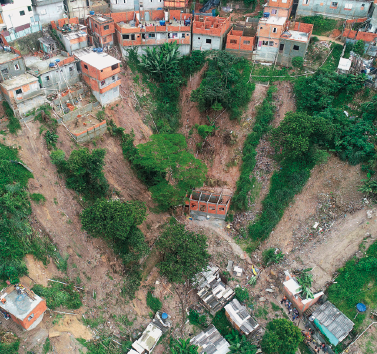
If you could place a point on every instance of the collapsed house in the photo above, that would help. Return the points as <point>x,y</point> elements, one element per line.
<point>147,29</point>
<point>151,335</point>
<point>103,30</point>
<point>210,341</point>
<point>293,291</point>
<point>100,71</point>
<point>240,318</point>
<point>331,322</point>
<point>23,306</point>
<point>213,293</point>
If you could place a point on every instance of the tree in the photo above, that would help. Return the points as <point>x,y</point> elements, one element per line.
<point>240,344</point>
<point>298,62</point>
<point>116,221</point>
<point>241,294</point>
<point>166,154</point>
<point>305,280</point>
<point>181,346</point>
<point>281,337</point>
<point>359,47</point>
<point>83,171</point>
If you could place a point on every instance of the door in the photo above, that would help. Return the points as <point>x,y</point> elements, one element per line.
<point>146,16</point>
<point>136,5</point>
<point>281,47</point>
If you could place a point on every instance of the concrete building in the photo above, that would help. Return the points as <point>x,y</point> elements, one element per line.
<point>240,318</point>
<point>152,28</point>
<point>209,32</point>
<point>77,8</point>
<point>332,323</point>
<point>56,73</point>
<point>24,307</point>
<point>213,293</point>
<point>11,62</point>
<point>102,28</point>
<point>278,8</point>
<point>294,43</point>
<point>23,93</point>
<point>241,42</point>
<point>176,4</point>
<point>347,9</point>
<point>292,290</point>
<point>210,341</point>
<point>100,71</point>
<point>48,10</point>
<point>73,35</point>
<point>122,5</point>
<point>17,19</point>
<point>136,5</point>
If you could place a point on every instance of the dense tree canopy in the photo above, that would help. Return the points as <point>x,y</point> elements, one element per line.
<point>281,337</point>
<point>184,253</point>
<point>181,346</point>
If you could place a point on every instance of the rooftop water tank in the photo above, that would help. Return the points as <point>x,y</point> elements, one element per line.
<point>99,50</point>
<point>266,15</point>
<point>91,12</point>
<point>162,23</point>
<point>57,60</point>
<point>164,315</point>
<point>51,65</point>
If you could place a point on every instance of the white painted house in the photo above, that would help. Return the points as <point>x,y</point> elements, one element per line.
<point>48,10</point>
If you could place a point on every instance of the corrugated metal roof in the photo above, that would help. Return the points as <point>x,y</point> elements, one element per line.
<point>241,317</point>
<point>210,341</point>
<point>334,320</point>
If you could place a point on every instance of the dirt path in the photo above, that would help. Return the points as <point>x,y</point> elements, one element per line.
<point>329,39</point>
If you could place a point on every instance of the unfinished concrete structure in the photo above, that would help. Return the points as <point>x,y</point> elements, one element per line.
<point>56,73</point>
<point>48,10</point>
<point>147,29</point>
<point>292,290</point>
<point>176,4</point>
<point>347,9</point>
<point>241,41</point>
<point>213,293</point>
<point>101,73</point>
<point>294,43</point>
<point>24,307</point>
<point>23,93</point>
<point>240,318</point>
<point>210,341</point>
<point>73,35</point>
<point>102,28</point>
<point>11,63</point>
<point>208,204</point>
<point>209,32</point>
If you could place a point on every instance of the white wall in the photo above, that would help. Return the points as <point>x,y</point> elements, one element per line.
<point>199,42</point>
<point>48,13</point>
<point>122,5</point>
<point>11,13</point>
<point>107,97</point>
<point>152,4</point>
<point>78,8</point>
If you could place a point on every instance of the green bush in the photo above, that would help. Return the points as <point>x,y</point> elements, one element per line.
<point>11,346</point>
<point>321,24</point>
<point>297,62</point>
<point>221,323</point>
<point>205,130</point>
<point>153,302</point>
<point>132,283</point>
<point>196,319</point>
<point>264,116</point>
<point>241,294</point>
<point>14,124</point>
<point>38,198</point>
<point>270,256</point>
<point>359,47</point>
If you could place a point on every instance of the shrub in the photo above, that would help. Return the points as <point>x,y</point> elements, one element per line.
<point>196,319</point>
<point>38,198</point>
<point>321,24</point>
<point>298,62</point>
<point>221,323</point>
<point>51,139</point>
<point>271,255</point>
<point>153,302</point>
<point>205,130</point>
<point>14,124</point>
<point>359,47</point>
<point>241,294</point>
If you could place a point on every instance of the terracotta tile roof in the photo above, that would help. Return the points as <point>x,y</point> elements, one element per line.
<point>359,20</point>
<point>303,27</point>
<point>365,36</point>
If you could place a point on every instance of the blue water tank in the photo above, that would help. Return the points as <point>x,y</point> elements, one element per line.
<point>91,12</point>
<point>162,23</point>
<point>99,50</point>
<point>94,49</point>
<point>164,316</point>
<point>266,14</point>
<point>57,60</point>
<point>51,65</point>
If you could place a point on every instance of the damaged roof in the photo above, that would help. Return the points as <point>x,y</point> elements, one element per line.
<point>210,341</point>
<point>334,320</point>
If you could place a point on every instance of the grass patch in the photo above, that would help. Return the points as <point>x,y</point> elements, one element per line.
<point>14,124</point>
<point>153,302</point>
<point>9,343</point>
<point>263,73</point>
<point>93,322</point>
<point>46,346</point>
<point>321,24</point>
<point>37,198</point>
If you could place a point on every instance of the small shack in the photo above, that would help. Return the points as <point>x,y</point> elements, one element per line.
<point>210,341</point>
<point>344,66</point>
<point>23,306</point>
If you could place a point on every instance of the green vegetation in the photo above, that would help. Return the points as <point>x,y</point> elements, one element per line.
<point>305,280</point>
<point>132,283</point>
<point>264,116</point>
<point>298,62</point>
<point>153,302</point>
<point>239,344</point>
<point>356,282</point>
<point>116,222</point>
<point>225,85</point>
<point>14,124</point>
<point>38,198</point>
<point>271,256</point>
<point>222,324</point>
<point>46,346</point>
<point>184,253</point>
<point>182,346</point>
<point>58,294</point>
<point>359,47</point>
<point>83,171</point>
<point>281,337</point>
<point>241,294</point>
<point>196,319</point>
<point>265,73</point>
<point>332,61</point>
<point>51,139</point>
<point>105,345</point>
<point>322,25</point>
<point>205,130</point>
<point>9,343</point>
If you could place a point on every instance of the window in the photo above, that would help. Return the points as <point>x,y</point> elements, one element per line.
<point>22,13</point>
<point>362,6</point>
<point>274,12</point>
<point>271,43</point>
<point>284,1</point>
<point>265,42</point>
<point>30,317</point>
<point>29,8</point>
<point>152,35</point>
<point>305,2</point>
<point>183,35</point>
<point>16,67</point>
<point>102,82</point>
<point>246,42</point>
<point>115,66</point>
<point>281,48</point>
<point>260,27</point>
<point>233,41</point>
<point>5,71</point>
<point>296,47</point>
<point>71,68</point>
<point>86,66</point>
<point>198,37</point>
<point>208,41</point>
<point>348,6</point>
<point>125,36</point>
<point>132,37</point>
<point>47,78</point>
<point>274,30</point>
<point>114,78</point>
<point>106,27</point>
<point>334,4</point>
<point>18,92</point>
<point>95,26</point>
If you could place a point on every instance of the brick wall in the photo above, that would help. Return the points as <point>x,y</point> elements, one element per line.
<point>90,133</point>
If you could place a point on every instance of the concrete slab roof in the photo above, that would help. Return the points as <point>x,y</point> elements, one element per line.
<point>296,36</point>
<point>19,305</point>
<point>97,60</point>
<point>18,81</point>
<point>344,64</point>
<point>42,66</point>
<point>7,56</point>
<point>293,286</point>
<point>274,20</point>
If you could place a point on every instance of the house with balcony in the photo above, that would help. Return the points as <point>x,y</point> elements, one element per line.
<point>23,93</point>
<point>343,9</point>
<point>102,28</point>
<point>209,32</point>
<point>73,35</point>
<point>147,29</point>
<point>100,72</point>
<point>17,19</point>
<point>48,10</point>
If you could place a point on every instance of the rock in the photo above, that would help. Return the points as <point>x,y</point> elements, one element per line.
<point>369,214</point>
<point>270,290</point>
<point>262,299</point>
<point>368,234</point>
<point>272,272</point>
